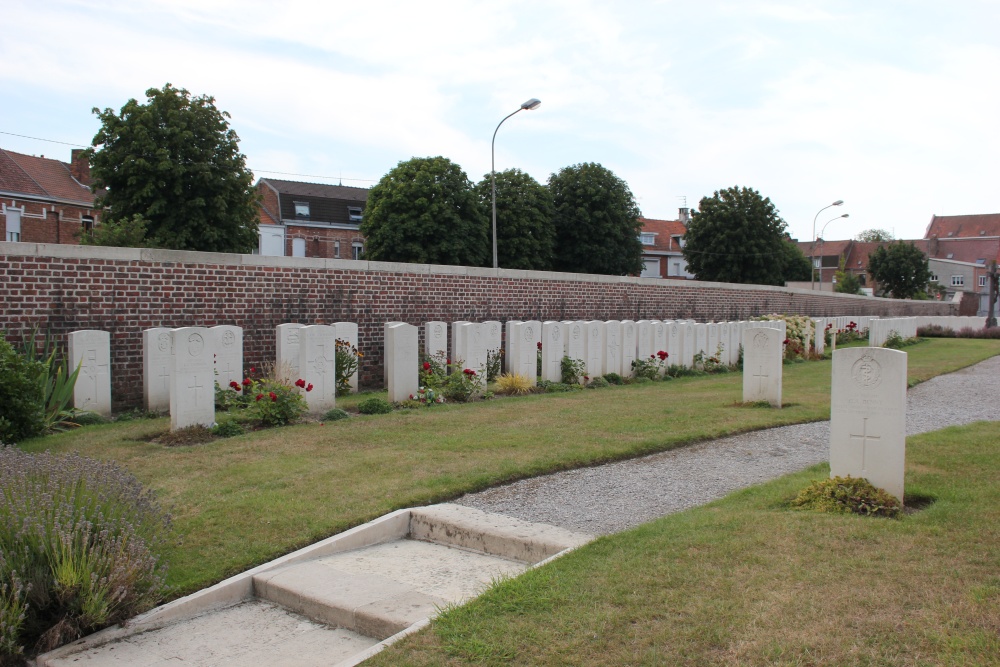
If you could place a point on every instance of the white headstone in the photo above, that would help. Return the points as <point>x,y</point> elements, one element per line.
<point>458,343</point>
<point>286,351</point>
<point>553,348</point>
<point>91,351</point>
<point>629,348</point>
<point>819,344</point>
<point>385,368</point>
<point>701,339</point>
<point>473,350</point>
<point>612,347</point>
<point>726,357</point>
<point>436,340</point>
<point>687,348</point>
<point>493,331</point>
<point>660,339</point>
<point>594,348</point>
<point>317,366</point>
<point>644,339</point>
<point>227,343</point>
<point>401,348</point>
<point>508,362</point>
<point>868,416</point>
<point>192,378</point>
<point>525,337</point>
<point>348,332</point>
<point>713,341</point>
<point>576,341</point>
<point>762,365</point>
<point>156,364</point>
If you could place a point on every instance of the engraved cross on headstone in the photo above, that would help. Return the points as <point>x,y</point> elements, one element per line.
<point>760,375</point>
<point>864,437</point>
<point>194,386</point>
<point>165,376</point>
<point>92,369</point>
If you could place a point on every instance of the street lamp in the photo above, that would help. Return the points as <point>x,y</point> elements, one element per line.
<point>529,105</point>
<point>812,251</point>
<point>822,241</point>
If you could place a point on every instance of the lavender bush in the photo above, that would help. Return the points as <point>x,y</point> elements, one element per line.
<point>78,542</point>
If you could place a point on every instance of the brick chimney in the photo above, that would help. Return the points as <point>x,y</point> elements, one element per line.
<point>932,246</point>
<point>685,215</point>
<point>80,165</point>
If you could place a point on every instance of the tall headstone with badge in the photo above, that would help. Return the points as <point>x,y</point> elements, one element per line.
<point>525,337</point>
<point>762,365</point>
<point>156,369</point>
<point>612,347</point>
<point>473,350</point>
<point>868,416</point>
<point>436,340</point>
<point>192,378</point>
<point>593,352</point>
<point>553,348</point>
<point>644,339</point>
<point>660,338</point>
<point>493,331</point>
<point>401,349</point>
<point>227,344</point>
<point>286,351</point>
<point>90,350</point>
<point>576,341</point>
<point>629,347</point>
<point>317,366</point>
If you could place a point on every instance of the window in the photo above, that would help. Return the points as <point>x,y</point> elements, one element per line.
<point>982,281</point>
<point>87,222</point>
<point>357,250</point>
<point>647,238</point>
<point>336,249</point>
<point>957,281</point>
<point>302,209</point>
<point>354,213</point>
<point>934,277</point>
<point>13,225</point>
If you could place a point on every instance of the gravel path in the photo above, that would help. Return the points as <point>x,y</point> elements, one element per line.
<point>616,496</point>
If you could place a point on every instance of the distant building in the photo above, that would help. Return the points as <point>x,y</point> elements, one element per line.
<point>310,219</point>
<point>662,241</point>
<point>44,200</point>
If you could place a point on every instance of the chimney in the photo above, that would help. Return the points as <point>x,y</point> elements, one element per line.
<point>685,215</point>
<point>80,165</point>
<point>932,246</point>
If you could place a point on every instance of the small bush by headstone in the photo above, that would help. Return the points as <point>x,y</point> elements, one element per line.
<point>376,405</point>
<point>598,383</point>
<point>513,384</point>
<point>848,495</point>
<point>22,396</point>
<point>78,549</point>
<point>228,429</point>
<point>89,419</point>
<point>336,414</point>
<point>613,378</point>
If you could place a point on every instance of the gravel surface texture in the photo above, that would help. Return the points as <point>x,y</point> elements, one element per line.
<point>617,496</point>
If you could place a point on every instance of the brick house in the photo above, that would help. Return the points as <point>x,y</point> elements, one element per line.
<point>44,200</point>
<point>310,219</point>
<point>662,241</point>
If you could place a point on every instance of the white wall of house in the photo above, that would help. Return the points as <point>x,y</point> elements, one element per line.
<point>272,240</point>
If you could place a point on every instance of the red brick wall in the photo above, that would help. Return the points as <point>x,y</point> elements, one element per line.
<point>39,222</point>
<point>321,242</point>
<point>124,291</point>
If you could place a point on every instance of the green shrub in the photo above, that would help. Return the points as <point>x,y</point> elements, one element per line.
<point>228,429</point>
<point>641,379</point>
<point>848,495</point>
<point>345,365</point>
<point>89,419</point>
<point>613,378</point>
<point>514,384</point>
<point>334,415</point>
<point>550,387</point>
<point>376,405</point>
<point>572,370</point>
<point>598,383</point>
<point>58,380</point>
<point>22,396</point>
<point>275,403</point>
<point>78,543</point>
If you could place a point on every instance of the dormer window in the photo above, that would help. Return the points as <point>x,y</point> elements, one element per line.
<point>354,213</point>
<point>302,209</point>
<point>647,238</point>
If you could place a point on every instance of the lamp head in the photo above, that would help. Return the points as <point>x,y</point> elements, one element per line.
<point>839,202</point>
<point>531,104</point>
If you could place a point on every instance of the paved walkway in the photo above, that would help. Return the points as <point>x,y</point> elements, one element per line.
<point>616,496</point>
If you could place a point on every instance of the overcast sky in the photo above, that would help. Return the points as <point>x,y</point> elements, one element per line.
<point>892,106</point>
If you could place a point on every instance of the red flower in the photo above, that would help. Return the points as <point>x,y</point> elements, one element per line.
<point>786,341</point>
<point>253,370</point>
<point>274,397</point>
<point>411,397</point>
<point>246,382</point>
<point>586,378</point>
<point>235,385</point>
<point>470,372</point>
<point>260,396</point>
<point>427,365</point>
<point>309,387</point>
<point>448,362</point>
<point>300,383</point>
<point>662,355</point>
<point>539,345</point>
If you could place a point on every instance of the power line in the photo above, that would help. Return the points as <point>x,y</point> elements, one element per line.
<point>51,141</point>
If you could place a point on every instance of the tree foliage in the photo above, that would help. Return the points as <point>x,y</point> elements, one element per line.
<point>737,236</point>
<point>525,232</point>
<point>131,232</point>
<point>175,161</point>
<point>874,236</point>
<point>847,282</point>
<point>900,269</point>
<point>426,211</point>
<point>596,221</point>
<point>797,265</point>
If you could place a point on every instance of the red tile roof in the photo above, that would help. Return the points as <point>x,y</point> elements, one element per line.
<point>664,230</point>
<point>959,226</point>
<point>41,177</point>
<point>964,249</point>
<point>824,248</point>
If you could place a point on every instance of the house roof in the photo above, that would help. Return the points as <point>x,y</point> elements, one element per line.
<point>824,248</point>
<point>964,249</point>
<point>41,177</point>
<point>665,230</point>
<point>298,188</point>
<point>957,226</point>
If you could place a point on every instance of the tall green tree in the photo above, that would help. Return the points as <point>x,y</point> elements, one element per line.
<point>874,236</point>
<point>900,269</point>
<point>525,232</point>
<point>737,236</point>
<point>596,221</point>
<point>426,211</point>
<point>797,265</point>
<point>176,162</point>
<point>847,282</point>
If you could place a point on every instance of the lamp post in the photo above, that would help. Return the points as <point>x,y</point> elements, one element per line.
<point>529,105</point>
<point>822,241</point>
<point>812,252</point>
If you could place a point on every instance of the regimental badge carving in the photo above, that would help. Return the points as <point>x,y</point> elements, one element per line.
<point>163,342</point>
<point>438,330</point>
<point>867,372</point>
<point>529,333</point>
<point>228,338</point>
<point>760,340</point>
<point>576,333</point>
<point>494,331</point>
<point>556,332</point>
<point>196,344</point>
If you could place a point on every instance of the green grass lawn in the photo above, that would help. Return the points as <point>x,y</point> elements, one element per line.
<point>748,581</point>
<point>244,500</point>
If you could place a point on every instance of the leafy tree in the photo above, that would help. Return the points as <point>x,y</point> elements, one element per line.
<point>901,269</point>
<point>176,162</point>
<point>596,222</point>
<point>525,233</point>
<point>121,233</point>
<point>847,282</point>
<point>797,265</point>
<point>426,211</point>
<point>737,236</point>
<point>874,236</point>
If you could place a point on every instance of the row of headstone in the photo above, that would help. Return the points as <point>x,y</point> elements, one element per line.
<point>880,330</point>
<point>953,322</point>
<point>288,339</point>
